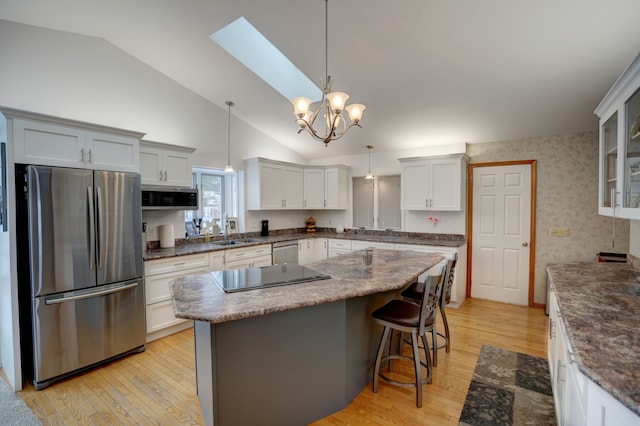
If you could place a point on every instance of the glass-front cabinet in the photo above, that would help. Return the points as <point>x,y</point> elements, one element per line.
<point>632,153</point>
<point>619,171</point>
<point>609,138</point>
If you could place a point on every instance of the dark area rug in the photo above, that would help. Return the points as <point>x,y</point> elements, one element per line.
<point>509,388</point>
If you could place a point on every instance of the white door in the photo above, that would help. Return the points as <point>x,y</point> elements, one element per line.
<point>501,233</point>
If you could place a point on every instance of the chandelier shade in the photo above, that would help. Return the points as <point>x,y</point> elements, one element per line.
<point>331,106</point>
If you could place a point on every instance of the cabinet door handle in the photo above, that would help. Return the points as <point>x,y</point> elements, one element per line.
<point>160,174</point>
<point>82,154</point>
<point>90,159</point>
<point>165,175</point>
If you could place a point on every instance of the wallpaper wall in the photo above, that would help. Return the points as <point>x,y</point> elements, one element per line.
<point>567,196</point>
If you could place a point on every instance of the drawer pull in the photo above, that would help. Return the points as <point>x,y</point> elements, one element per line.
<point>179,263</point>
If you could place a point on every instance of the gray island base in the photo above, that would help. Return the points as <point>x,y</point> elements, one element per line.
<point>293,354</point>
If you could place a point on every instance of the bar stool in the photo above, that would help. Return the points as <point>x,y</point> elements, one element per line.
<point>407,317</point>
<point>414,293</point>
<point>446,299</point>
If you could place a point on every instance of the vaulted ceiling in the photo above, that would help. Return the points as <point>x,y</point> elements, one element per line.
<point>431,72</point>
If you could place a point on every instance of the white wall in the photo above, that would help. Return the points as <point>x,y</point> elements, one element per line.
<point>88,79</point>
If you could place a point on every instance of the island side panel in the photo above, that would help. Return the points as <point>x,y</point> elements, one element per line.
<point>363,337</point>
<point>204,340</point>
<point>286,368</point>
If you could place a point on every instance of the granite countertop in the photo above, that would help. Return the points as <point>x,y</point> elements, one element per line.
<point>599,303</point>
<point>199,298</point>
<point>202,247</point>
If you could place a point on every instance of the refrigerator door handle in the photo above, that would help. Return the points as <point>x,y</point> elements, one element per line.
<point>101,237</point>
<point>37,235</point>
<point>86,295</point>
<point>92,232</point>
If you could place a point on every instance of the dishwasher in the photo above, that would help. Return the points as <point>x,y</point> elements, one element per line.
<point>285,252</point>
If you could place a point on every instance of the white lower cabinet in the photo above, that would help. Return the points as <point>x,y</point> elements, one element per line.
<point>339,247</point>
<point>312,250</point>
<point>248,257</point>
<point>159,308</point>
<point>605,410</point>
<point>216,260</point>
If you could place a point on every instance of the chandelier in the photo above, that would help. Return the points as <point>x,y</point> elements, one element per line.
<point>331,106</point>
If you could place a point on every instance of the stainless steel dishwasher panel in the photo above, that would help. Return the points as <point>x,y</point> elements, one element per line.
<point>285,252</point>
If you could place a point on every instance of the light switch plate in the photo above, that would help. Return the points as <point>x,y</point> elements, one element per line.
<point>558,232</point>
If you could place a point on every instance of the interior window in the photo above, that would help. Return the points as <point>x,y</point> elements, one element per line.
<point>218,192</point>
<point>376,202</point>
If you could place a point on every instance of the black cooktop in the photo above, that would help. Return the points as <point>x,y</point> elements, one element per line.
<point>267,276</point>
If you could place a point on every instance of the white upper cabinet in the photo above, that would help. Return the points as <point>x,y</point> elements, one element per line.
<point>335,188</point>
<point>433,183</point>
<point>314,188</point>
<point>165,164</point>
<point>51,141</point>
<point>619,170</point>
<point>325,188</point>
<point>273,185</point>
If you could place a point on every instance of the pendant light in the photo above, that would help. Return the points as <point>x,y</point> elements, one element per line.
<point>369,175</point>
<point>229,168</point>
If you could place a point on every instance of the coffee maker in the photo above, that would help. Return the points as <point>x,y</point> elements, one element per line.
<point>265,228</point>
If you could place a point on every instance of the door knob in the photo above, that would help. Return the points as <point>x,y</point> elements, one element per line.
<point>525,244</point>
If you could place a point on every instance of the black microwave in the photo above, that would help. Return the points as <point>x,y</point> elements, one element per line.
<point>169,198</point>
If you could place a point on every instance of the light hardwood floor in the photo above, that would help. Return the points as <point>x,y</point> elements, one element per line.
<point>158,385</point>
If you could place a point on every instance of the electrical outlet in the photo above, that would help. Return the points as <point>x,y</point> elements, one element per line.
<point>559,232</point>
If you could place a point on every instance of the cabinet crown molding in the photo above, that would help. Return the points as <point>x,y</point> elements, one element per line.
<point>463,157</point>
<point>162,145</point>
<point>34,116</point>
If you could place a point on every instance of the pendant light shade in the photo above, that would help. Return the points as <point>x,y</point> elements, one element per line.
<point>229,168</point>
<point>369,174</point>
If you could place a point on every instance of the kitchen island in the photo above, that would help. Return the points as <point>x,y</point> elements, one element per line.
<point>296,353</point>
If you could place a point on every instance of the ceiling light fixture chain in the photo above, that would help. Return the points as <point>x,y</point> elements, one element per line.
<point>229,168</point>
<point>333,104</point>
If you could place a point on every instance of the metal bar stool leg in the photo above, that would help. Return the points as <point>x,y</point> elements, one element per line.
<point>446,329</point>
<point>428,356</point>
<point>376,368</point>
<point>418,368</point>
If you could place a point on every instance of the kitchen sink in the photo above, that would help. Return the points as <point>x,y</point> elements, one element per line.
<point>237,242</point>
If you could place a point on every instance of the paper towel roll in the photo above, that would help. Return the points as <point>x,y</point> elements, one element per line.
<point>166,236</point>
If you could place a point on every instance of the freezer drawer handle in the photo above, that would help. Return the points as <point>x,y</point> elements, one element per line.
<point>89,295</point>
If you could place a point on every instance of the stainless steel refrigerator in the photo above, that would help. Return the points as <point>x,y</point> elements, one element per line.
<point>85,268</point>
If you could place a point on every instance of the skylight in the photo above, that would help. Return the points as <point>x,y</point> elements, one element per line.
<point>245,43</point>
